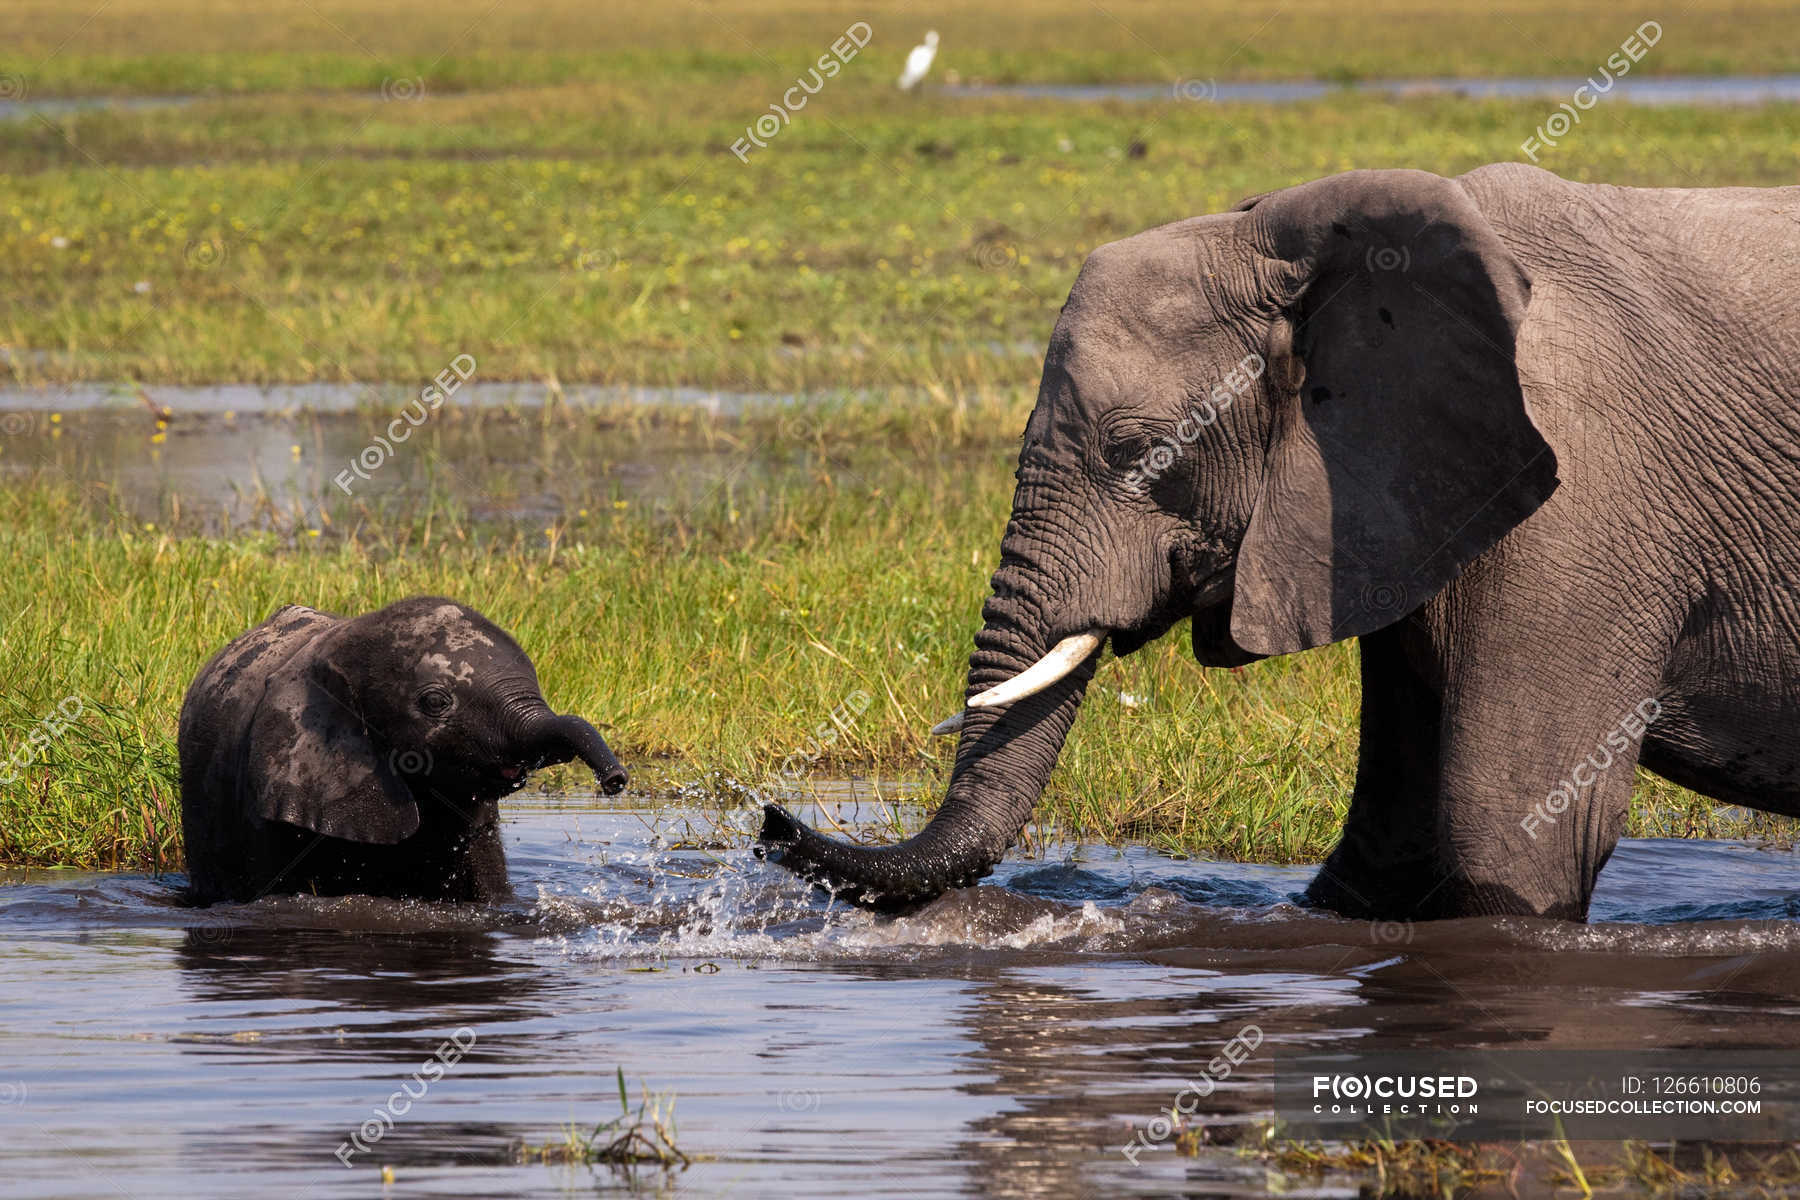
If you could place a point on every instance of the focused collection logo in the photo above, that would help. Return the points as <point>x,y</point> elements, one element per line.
<point>1396,1095</point>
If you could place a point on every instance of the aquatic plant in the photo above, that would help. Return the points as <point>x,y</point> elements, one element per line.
<point>641,1137</point>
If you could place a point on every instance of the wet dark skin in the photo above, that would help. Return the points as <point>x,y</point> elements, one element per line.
<point>368,755</point>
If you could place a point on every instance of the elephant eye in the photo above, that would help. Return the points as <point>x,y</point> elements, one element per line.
<point>1125,449</point>
<point>436,701</point>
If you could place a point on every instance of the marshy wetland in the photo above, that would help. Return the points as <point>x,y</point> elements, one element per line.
<point>732,457</point>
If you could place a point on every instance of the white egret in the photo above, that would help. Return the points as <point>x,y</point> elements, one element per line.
<point>918,61</point>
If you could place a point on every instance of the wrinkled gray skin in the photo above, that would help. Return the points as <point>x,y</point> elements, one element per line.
<point>1535,443</point>
<point>368,755</point>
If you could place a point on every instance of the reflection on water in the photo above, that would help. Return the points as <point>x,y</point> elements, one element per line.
<point>1643,89</point>
<point>373,399</point>
<point>1005,1040</point>
<point>65,106</point>
<point>503,459</point>
<point>1640,89</point>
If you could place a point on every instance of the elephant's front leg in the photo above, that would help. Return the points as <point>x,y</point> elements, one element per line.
<point>1535,795</point>
<point>1489,782</point>
<point>1386,862</point>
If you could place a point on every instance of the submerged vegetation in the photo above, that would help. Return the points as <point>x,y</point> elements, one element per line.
<point>644,1137</point>
<point>1387,1169</point>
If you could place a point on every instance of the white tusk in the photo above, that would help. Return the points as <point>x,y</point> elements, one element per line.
<point>1068,654</point>
<point>950,724</point>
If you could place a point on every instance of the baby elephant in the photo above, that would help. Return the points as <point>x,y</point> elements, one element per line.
<point>332,755</point>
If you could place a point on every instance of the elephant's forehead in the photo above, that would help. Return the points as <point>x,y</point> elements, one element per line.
<point>449,628</point>
<point>1095,364</point>
<point>443,667</point>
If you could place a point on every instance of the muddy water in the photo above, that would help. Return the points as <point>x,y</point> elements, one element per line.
<point>1003,1041</point>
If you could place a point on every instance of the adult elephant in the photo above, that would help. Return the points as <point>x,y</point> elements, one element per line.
<point>1535,443</point>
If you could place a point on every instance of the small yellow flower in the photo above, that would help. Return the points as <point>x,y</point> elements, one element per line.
<point>312,533</point>
<point>158,438</point>
<point>619,503</point>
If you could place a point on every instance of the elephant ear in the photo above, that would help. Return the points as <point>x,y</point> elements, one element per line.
<point>1402,446</point>
<point>312,762</point>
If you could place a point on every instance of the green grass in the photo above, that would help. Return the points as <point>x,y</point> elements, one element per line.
<point>708,635</point>
<point>550,236</point>
<point>172,46</point>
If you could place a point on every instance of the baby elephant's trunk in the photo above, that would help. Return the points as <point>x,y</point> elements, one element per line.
<point>559,738</point>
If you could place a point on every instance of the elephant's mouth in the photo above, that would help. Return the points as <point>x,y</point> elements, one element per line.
<point>1132,638</point>
<point>1212,640</point>
<point>1199,585</point>
<point>515,775</point>
<point>1130,641</point>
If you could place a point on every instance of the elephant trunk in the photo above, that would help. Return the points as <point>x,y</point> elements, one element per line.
<point>1003,761</point>
<point>558,738</point>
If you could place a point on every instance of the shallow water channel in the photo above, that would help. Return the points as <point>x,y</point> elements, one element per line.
<point>501,454</point>
<point>1006,1040</point>
<point>1642,89</point>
